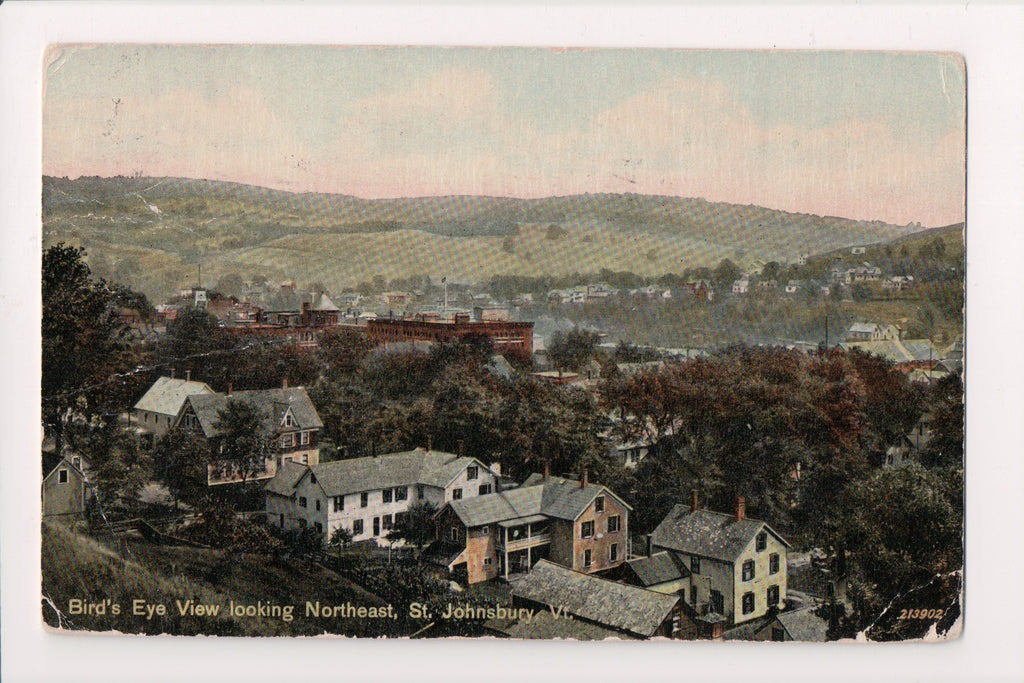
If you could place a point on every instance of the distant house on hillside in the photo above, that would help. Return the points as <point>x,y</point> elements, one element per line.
<point>741,286</point>
<point>160,406</point>
<point>860,332</point>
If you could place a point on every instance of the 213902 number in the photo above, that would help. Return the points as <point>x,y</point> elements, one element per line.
<point>921,613</point>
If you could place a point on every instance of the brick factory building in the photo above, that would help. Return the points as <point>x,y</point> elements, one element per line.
<point>509,338</point>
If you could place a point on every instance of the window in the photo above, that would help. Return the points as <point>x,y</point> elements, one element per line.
<point>717,603</point>
<point>588,558</point>
<point>339,503</point>
<point>472,472</point>
<point>748,570</point>
<point>599,504</point>
<point>77,461</point>
<point>400,518</point>
<point>695,564</point>
<point>287,440</point>
<point>357,527</point>
<point>613,524</point>
<point>453,534</point>
<point>312,477</point>
<point>613,552</point>
<point>484,530</point>
<point>364,499</point>
<point>778,634</point>
<point>456,494</point>
<point>419,491</point>
<point>319,527</point>
<point>302,502</point>
<point>748,603</point>
<point>62,476</point>
<point>289,421</point>
<point>773,563</point>
<point>762,541</point>
<point>304,438</point>
<point>586,529</point>
<point>773,596</point>
<point>386,495</point>
<point>387,522</point>
<point>318,505</point>
<point>484,489</point>
<point>402,493</point>
<point>487,561</point>
<point>281,520</point>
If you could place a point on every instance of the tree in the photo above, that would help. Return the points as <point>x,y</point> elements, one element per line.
<point>416,526</point>
<point>725,274</point>
<point>341,538</point>
<point>945,402</point>
<point>230,284</point>
<point>83,339</point>
<point>903,526</point>
<point>118,465</point>
<point>180,463</point>
<point>572,350</point>
<point>244,442</point>
<point>194,342</point>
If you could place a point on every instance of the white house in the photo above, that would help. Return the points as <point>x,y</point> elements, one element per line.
<point>368,496</point>
<point>159,407</point>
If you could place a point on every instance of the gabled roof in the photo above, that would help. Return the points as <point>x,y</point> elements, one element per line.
<point>863,328</point>
<point>658,568</point>
<point>890,349</point>
<point>325,304</point>
<point>708,534</point>
<point>565,498</point>
<point>804,625</point>
<point>271,404</point>
<point>288,475</point>
<point>168,394</point>
<point>551,497</point>
<point>619,606</point>
<point>419,466</point>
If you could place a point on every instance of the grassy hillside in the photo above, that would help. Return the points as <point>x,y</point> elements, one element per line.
<point>80,567</point>
<point>153,233</point>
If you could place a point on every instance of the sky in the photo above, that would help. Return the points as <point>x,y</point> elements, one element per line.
<point>864,135</point>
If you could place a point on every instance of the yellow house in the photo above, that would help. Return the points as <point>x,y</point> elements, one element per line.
<point>737,565</point>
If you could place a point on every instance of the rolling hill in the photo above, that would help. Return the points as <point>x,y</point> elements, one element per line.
<point>154,233</point>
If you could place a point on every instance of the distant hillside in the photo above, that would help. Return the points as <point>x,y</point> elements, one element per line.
<point>154,232</point>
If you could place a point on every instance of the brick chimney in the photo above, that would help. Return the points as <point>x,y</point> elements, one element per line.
<point>172,372</point>
<point>229,387</point>
<point>583,479</point>
<point>741,508</point>
<point>188,375</point>
<point>462,447</point>
<point>547,469</point>
<point>284,383</point>
<point>693,500</point>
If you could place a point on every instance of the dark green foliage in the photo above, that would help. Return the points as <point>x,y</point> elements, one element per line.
<point>417,525</point>
<point>83,339</point>
<point>243,440</point>
<point>573,349</point>
<point>180,464</point>
<point>119,465</point>
<point>945,403</point>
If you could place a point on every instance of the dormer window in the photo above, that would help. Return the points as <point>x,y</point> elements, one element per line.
<point>762,541</point>
<point>599,504</point>
<point>289,420</point>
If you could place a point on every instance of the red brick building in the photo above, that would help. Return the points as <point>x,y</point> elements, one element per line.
<point>509,338</point>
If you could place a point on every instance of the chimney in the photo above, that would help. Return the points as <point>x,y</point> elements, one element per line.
<point>583,479</point>
<point>693,500</point>
<point>462,447</point>
<point>284,383</point>
<point>229,387</point>
<point>430,445</point>
<point>741,508</point>
<point>188,375</point>
<point>547,469</point>
<point>172,372</point>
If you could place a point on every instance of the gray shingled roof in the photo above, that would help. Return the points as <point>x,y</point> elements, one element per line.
<point>658,568</point>
<point>552,497</point>
<point>709,534</point>
<point>288,475</point>
<point>272,405</point>
<point>804,625</point>
<point>497,507</point>
<point>167,395</point>
<point>622,607</point>
<point>565,498</point>
<point>394,469</point>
